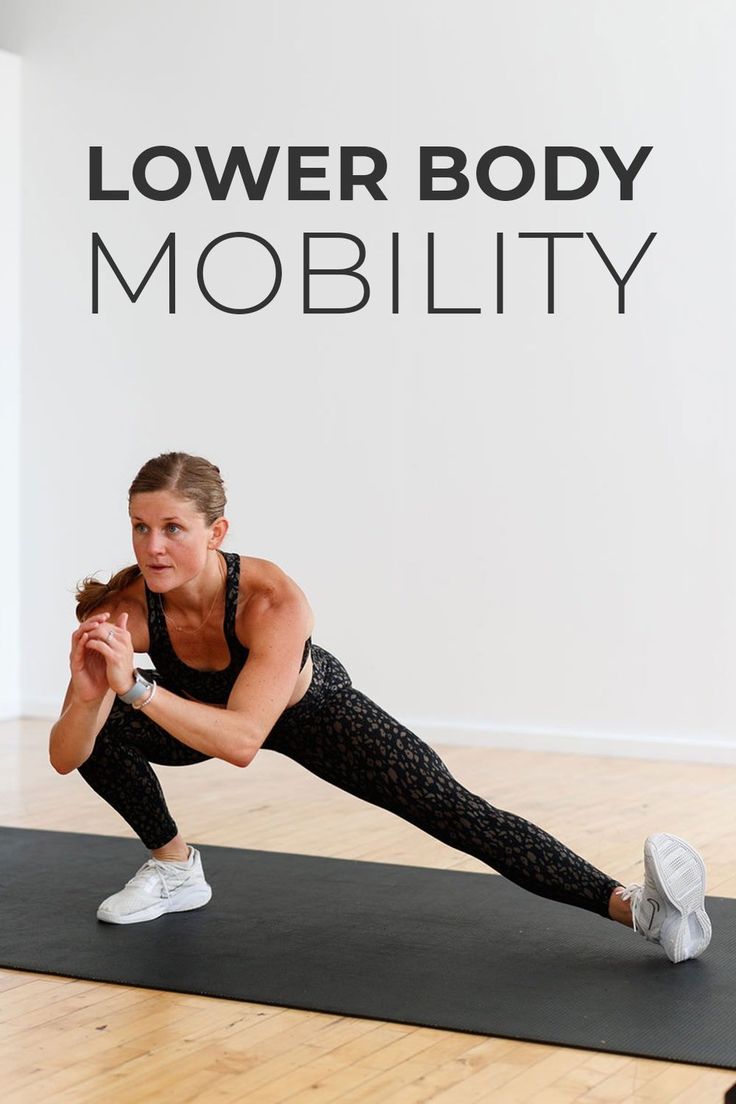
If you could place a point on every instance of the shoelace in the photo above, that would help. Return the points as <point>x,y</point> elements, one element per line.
<point>632,891</point>
<point>149,868</point>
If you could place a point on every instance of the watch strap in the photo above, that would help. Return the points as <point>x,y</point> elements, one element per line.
<point>139,688</point>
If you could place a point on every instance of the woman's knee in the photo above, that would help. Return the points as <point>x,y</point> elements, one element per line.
<point>105,750</point>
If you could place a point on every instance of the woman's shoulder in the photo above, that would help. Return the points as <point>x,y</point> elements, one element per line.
<point>130,599</point>
<point>264,578</point>
<point>264,582</point>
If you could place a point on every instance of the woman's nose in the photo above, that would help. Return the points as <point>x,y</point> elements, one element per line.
<point>156,542</point>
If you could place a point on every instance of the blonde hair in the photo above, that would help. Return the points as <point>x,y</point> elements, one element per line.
<point>190,477</point>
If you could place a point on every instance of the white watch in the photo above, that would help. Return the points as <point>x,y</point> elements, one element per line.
<point>139,688</point>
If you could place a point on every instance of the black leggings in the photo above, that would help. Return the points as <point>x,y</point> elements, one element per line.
<point>342,736</point>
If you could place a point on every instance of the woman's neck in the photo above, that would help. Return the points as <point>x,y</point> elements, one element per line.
<point>194,602</point>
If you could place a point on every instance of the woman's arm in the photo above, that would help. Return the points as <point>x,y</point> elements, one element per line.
<point>211,729</point>
<point>89,697</point>
<point>73,736</point>
<point>278,624</point>
<point>87,703</point>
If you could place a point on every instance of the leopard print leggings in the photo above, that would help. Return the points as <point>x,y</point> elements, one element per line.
<point>343,737</point>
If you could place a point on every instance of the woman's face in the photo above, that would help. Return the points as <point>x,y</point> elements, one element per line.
<point>170,539</point>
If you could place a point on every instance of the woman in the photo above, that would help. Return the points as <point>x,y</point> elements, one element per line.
<point>200,613</point>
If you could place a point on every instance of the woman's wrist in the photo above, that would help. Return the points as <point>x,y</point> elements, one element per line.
<point>93,703</point>
<point>139,689</point>
<point>146,699</point>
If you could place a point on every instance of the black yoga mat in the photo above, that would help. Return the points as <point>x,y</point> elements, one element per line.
<point>439,948</point>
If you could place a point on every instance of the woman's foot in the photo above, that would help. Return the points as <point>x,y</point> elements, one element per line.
<point>669,908</point>
<point>159,886</point>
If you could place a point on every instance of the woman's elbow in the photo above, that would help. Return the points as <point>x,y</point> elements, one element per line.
<point>54,756</point>
<point>241,756</point>
<point>243,744</point>
<point>59,765</point>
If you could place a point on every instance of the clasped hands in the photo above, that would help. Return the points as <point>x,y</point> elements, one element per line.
<point>102,657</point>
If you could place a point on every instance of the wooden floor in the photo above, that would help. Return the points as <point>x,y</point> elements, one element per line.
<point>78,1042</point>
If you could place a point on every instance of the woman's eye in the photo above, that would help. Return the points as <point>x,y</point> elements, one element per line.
<point>139,528</point>
<point>173,528</point>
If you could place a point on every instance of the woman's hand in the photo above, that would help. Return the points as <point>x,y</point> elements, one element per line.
<point>109,647</point>
<point>89,670</point>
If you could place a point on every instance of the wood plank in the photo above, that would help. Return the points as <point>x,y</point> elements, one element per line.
<point>78,1042</point>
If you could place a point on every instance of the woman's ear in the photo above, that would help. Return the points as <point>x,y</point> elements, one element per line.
<point>218,532</point>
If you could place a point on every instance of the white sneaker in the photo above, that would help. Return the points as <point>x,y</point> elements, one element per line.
<point>670,907</point>
<point>158,887</point>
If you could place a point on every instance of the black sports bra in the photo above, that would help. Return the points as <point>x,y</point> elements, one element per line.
<point>212,687</point>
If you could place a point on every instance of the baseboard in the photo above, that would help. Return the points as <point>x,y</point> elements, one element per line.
<point>40,709</point>
<point>687,749</point>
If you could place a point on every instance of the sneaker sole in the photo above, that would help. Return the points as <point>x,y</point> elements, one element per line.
<point>195,898</point>
<point>671,860</point>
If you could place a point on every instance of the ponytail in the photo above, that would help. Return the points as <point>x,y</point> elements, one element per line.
<point>91,593</point>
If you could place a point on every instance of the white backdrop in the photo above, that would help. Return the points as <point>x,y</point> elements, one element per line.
<point>10,702</point>
<point>512,528</point>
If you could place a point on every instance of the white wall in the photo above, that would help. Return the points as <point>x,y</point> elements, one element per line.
<point>515,527</point>
<point>10,701</point>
